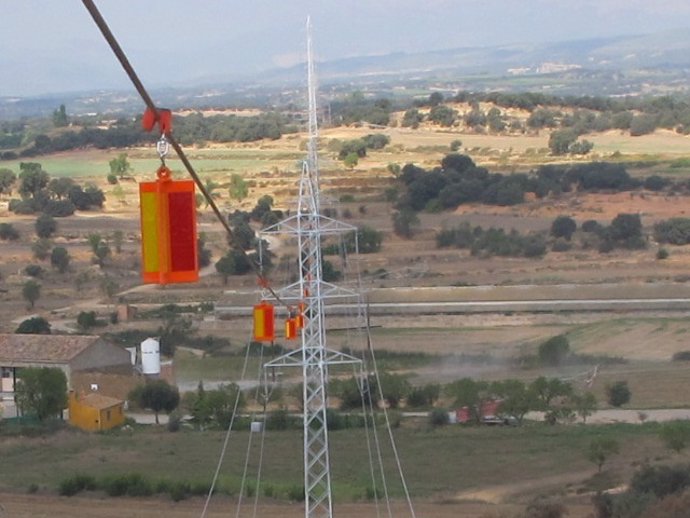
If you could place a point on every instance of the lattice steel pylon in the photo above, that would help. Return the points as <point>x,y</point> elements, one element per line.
<point>309,295</point>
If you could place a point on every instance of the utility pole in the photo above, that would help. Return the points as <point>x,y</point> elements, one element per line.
<point>309,295</point>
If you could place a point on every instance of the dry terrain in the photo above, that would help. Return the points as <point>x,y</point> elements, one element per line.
<point>646,339</point>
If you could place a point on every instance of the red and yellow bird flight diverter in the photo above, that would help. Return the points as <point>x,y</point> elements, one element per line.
<point>168,230</point>
<point>264,322</point>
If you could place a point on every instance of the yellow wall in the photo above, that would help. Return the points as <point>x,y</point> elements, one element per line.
<point>93,419</point>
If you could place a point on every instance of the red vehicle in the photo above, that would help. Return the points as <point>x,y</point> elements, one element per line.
<point>488,414</point>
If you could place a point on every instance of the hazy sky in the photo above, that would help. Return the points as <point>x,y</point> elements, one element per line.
<point>53,45</point>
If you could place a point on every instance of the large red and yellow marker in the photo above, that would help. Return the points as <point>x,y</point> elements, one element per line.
<point>168,230</point>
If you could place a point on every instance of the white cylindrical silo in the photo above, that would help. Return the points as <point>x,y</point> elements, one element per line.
<point>150,356</point>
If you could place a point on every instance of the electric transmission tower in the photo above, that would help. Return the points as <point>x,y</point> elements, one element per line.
<point>309,295</point>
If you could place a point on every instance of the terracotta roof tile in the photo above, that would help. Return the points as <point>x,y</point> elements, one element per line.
<point>43,348</point>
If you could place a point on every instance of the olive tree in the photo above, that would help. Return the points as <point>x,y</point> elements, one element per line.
<point>42,391</point>
<point>157,395</point>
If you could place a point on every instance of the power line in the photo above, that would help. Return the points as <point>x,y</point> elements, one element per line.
<point>134,78</point>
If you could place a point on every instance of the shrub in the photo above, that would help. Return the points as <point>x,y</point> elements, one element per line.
<point>281,420</point>
<point>675,435</point>
<point>34,326</point>
<point>681,356</point>
<point>563,226</point>
<point>618,393</point>
<point>546,510</point>
<point>561,245</point>
<point>674,231</point>
<point>73,485</point>
<point>661,481</point>
<point>8,232</point>
<point>438,417</point>
<point>87,319</point>
<point>59,208</point>
<point>179,491</point>
<point>591,226</point>
<point>174,422</point>
<point>662,254</point>
<point>295,493</point>
<point>33,270</point>
<point>45,225</point>
<point>554,351</point>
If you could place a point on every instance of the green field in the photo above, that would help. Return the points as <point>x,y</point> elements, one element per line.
<point>439,462</point>
<point>145,162</point>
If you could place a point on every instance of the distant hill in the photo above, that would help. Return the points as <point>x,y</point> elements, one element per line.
<point>623,54</point>
<point>624,65</point>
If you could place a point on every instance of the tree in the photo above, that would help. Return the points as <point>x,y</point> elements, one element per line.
<point>94,240</point>
<point>42,391</point>
<point>516,398</point>
<point>102,253</point>
<point>31,291</point>
<point>41,248</point>
<point>33,270</point>
<point>45,226</point>
<point>469,393</point>
<point>563,226</point>
<point>351,160</point>
<point>156,395</point>
<point>584,404</point>
<point>235,262</point>
<point>86,320</point>
<point>263,205</point>
<point>120,165</point>
<point>554,350</point>
<point>60,119</point>
<point>424,396</point>
<point>61,186</point>
<point>438,417</point>
<point>675,435</point>
<point>210,186</point>
<point>85,199</point>
<point>618,393</point>
<point>395,387</point>
<point>238,188</point>
<point>547,390</point>
<point>627,229</point>
<point>118,238</point>
<point>368,240</point>
<point>32,179</point>
<point>329,272</point>
<point>8,232</point>
<point>225,266</point>
<point>442,115</point>
<point>108,286</point>
<point>221,403</point>
<point>435,98</point>
<point>412,118</point>
<point>203,253</point>
<point>215,405</point>
<point>601,449</point>
<point>34,326</point>
<point>561,140</point>
<point>403,222</point>
<point>7,179</point>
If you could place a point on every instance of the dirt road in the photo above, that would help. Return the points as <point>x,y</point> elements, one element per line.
<point>48,506</point>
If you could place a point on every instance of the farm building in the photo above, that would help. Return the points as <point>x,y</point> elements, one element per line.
<point>74,355</point>
<point>95,412</point>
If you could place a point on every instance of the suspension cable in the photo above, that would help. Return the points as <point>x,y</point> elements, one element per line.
<point>365,413</point>
<point>134,78</point>
<point>227,437</point>
<point>388,424</point>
